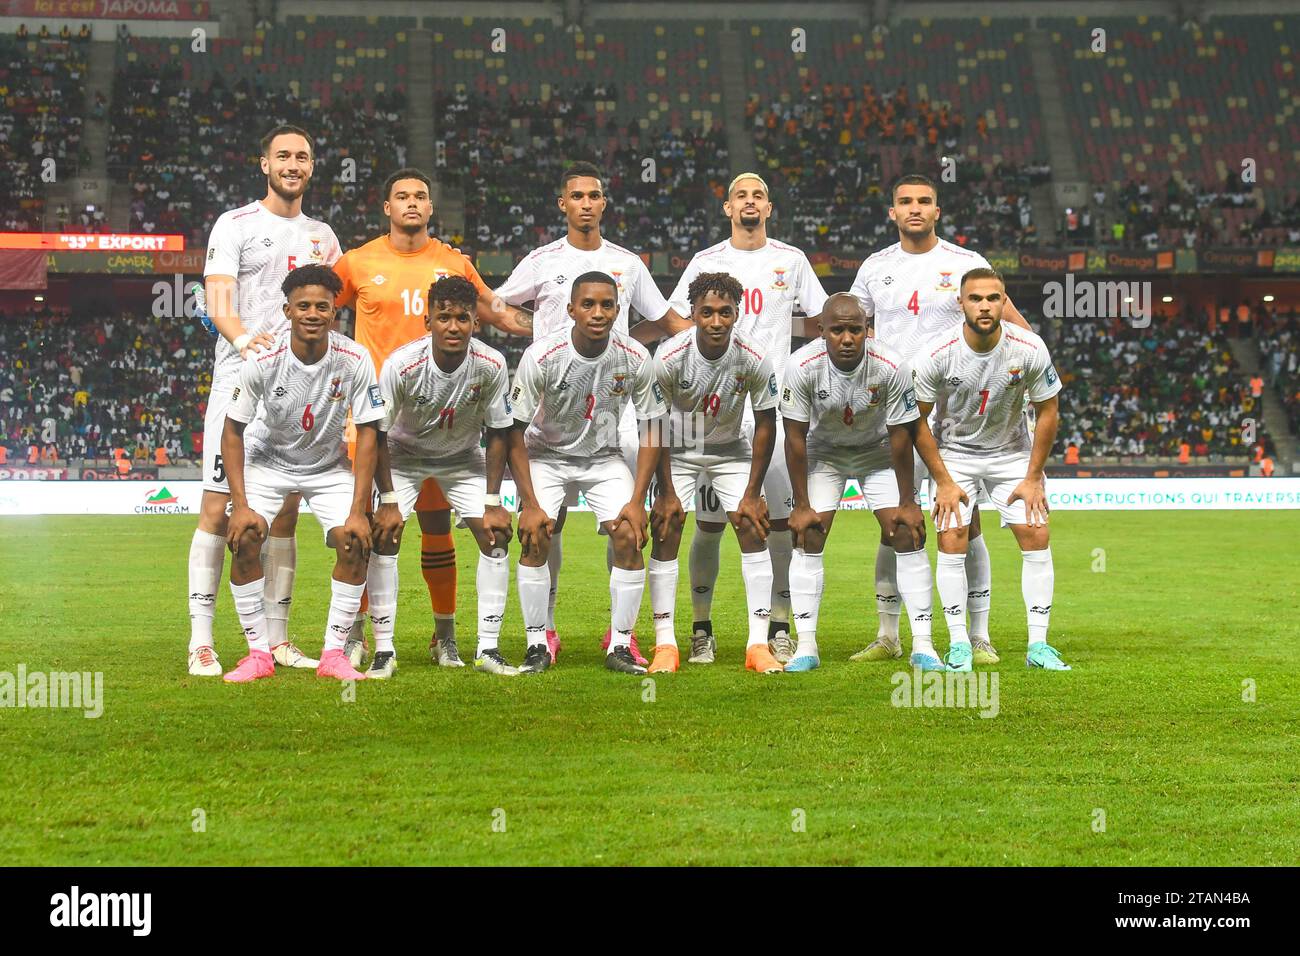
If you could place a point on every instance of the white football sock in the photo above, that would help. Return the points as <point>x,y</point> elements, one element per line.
<point>553,561</point>
<point>780,546</point>
<point>1037,581</point>
<point>807,577</point>
<point>381,582</point>
<point>345,601</point>
<point>916,586</point>
<point>207,556</point>
<point>951,578</point>
<point>625,590</point>
<point>279,564</point>
<point>533,584</point>
<point>979,578</point>
<point>756,571</point>
<point>887,592</point>
<point>663,599</point>
<point>706,551</point>
<point>492,582</point>
<point>250,607</point>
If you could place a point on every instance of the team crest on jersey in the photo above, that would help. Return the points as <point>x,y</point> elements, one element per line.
<point>316,252</point>
<point>618,278</point>
<point>336,390</point>
<point>873,396</point>
<point>619,386</point>
<point>778,279</point>
<point>741,384</point>
<point>945,283</point>
<point>909,398</point>
<point>1015,375</point>
<point>474,392</point>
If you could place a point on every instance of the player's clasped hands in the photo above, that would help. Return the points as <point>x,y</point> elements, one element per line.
<point>1033,492</point>
<point>634,514</point>
<point>946,510</point>
<point>386,528</point>
<point>803,520</point>
<point>909,516</point>
<point>667,517</point>
<point>535,529</point>
<point>356,534</point>
<point>753,509</point>
<point>496,523</point>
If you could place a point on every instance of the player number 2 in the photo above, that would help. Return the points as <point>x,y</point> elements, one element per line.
<point>984,400</point>
<point>412,302</point>
<point>913,304</point>
<point>308,419</point>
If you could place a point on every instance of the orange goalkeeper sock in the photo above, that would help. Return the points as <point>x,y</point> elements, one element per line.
<point>438,564</point>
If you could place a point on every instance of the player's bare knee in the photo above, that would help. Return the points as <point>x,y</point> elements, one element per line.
<point>954,540</point>
<point>748,539</point>
<point>624,541</point>
<point>712,527</point>
<point>901,540</point>
<point>1030,537</point>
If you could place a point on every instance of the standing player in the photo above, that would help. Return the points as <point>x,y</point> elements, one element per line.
<point>709,376</point>
<point>777,278</point>
<point>297,395</point>
<point>570,389</point>
<point>545,277</point>
<point>440,392</point>
<point>250,252</point>
<point>908,291</point>
<point>385,282</point>
<point>980,373</point>
<point>850,412</point>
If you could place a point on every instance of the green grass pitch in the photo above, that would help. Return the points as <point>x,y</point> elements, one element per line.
<point>1149,736</point>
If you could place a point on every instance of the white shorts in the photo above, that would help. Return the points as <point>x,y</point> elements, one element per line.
<point>463,482</point>
<point>214,423</point>
<point>826,482</point>
<point>776,485</point>
<point>720,482</point>
<point>328,494</point>
<point>605,482</point>
<point>995,476</point>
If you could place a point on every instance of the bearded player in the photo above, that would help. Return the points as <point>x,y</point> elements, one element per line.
<point>777,278</point>
<point>251,251</point>
<point>385,282</point>
<point>909,291</point>
<point>545,277</point>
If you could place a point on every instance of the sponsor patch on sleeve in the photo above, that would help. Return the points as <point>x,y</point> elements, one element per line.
<point>785,394</point>
<point>1050,377</point>
<point>659,392</point>
<point>771,385</point>
<point>376,399</point>
<point>909,398</point>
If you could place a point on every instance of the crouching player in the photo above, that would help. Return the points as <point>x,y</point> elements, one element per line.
<point>570,390</point>
<point>707,375</point>
<point>980,373</point>
<point>440,392</point>
<point>850,412</point>
<point>296,395</point>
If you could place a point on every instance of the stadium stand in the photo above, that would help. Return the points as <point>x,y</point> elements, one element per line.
<point>42,88</point>
<point>1279,348</point>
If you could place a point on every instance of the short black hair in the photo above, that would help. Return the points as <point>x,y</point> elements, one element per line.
<point>579,169</point>
<point>981,272</point>
<point>314,274</point>
<point>284,129</point>
<point>408,172</point>
<point>454,289</point>
<point>913,179</point>
<point>723,284</point>
<point>594,276</point>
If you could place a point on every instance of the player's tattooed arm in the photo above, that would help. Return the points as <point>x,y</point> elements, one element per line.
<point>386,528</point>
<point>496,520</point>
<point>512,320</point>
<point>947,494</point>
<point>242,517</point>
<point>907,516</point>
<point>802,518</point>
<point>1033,490</point>
<point>224,312</point>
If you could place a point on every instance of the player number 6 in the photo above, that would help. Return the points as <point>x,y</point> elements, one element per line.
<point>308,419</point>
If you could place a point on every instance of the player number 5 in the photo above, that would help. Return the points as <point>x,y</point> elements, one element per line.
<point>308,419</point>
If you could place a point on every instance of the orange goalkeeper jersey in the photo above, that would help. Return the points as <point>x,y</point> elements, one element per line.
<point>388,289</point>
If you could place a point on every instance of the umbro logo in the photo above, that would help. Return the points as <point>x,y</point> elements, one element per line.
<point>663,615</point>
<point>377,280</point>
<point>700,589</point>
<point>559,280</point>
<point>924,616</point>
<point>802,615</point>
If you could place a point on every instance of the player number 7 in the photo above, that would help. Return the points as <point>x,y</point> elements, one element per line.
<point>984,400</point>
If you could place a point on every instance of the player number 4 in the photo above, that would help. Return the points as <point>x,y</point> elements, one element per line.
<point>308,419</point>
<point>913,304</point>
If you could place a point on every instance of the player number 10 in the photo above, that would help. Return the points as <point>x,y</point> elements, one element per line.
<point>753,301</point>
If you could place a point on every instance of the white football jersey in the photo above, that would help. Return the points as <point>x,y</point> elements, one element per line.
<point>979,399</point>
<point>299,412</point>
<point>707,399</point>
<point>572,404</point>
<point>545,277</point>
<point>914,296</point>
<point>259,249</point>
<point>848,413</point>
<point>777,278</point>
<point>437,415</point>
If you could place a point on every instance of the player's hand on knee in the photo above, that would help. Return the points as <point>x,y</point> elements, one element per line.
<point>948,498</point>
<point>634,514</point>
<point>667,517</point>
<point>752,510</point>
<point>1033,492</point>
<point>909,522</point>
<point>803,520</point>
<point>356,537</point>
<point>535,529</point>
<point>496,524</point>
<point>244,521</point>
<point>386,528</point>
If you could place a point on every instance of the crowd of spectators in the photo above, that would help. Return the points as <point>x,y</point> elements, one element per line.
<point>80,386</point>
<point>43,97</point>
<point>1133,393</point>
<point>833,154</point>
<point>665,187</point>
<point>188,154</point>
<point>1279,359</point>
